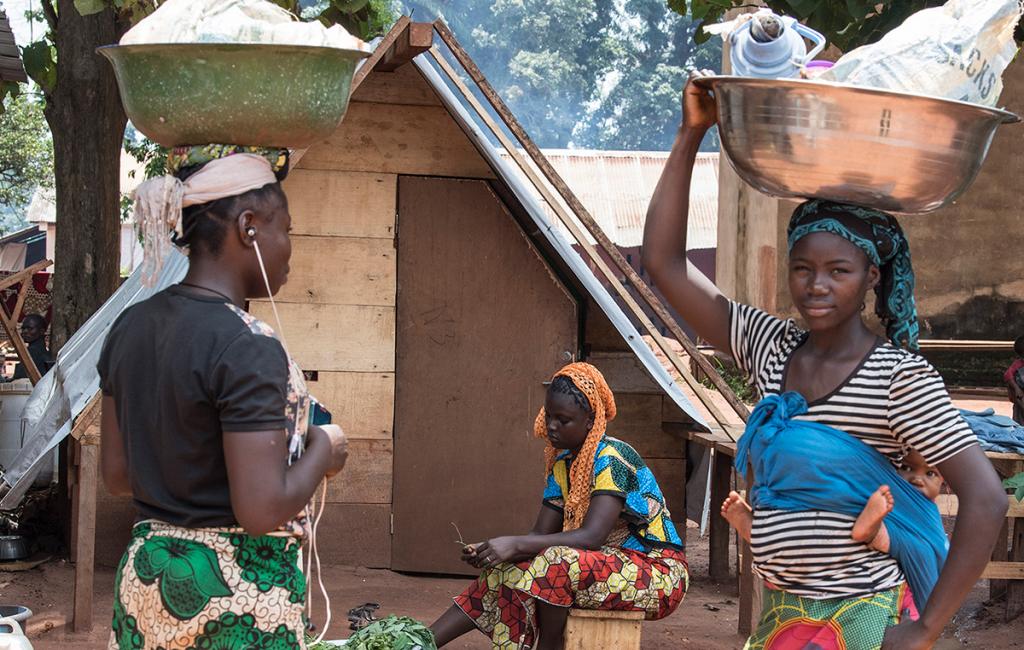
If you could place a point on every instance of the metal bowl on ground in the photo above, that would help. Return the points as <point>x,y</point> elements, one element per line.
<point>887,150</point>
<point>16,612</point>
<point>13,547</point>
<point>225,93</point>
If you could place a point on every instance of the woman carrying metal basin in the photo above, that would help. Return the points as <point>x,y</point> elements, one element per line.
<point>825,590</point>
<point>206,419</point>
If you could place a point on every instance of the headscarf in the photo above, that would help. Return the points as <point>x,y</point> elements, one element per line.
<point>879,235</point>
<point>226,170</point>
<point>592,385</point>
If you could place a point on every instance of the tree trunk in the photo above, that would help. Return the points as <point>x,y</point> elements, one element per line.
<point>87,121</point>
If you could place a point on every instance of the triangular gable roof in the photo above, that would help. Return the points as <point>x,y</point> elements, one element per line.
<point>526,194</point>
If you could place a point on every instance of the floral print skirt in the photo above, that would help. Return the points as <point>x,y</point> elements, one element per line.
<point>791,622</point>
<point>501,602</point>
<point>185,588</point>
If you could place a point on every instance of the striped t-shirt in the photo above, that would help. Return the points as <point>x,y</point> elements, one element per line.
<point>893,400</point>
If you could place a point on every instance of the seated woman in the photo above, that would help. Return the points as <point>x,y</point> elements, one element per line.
<point>603,538</point>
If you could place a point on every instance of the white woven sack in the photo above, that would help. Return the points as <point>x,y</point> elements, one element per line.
<point>956,51</point>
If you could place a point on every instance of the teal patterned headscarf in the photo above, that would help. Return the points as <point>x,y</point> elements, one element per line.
<point>880,237</point>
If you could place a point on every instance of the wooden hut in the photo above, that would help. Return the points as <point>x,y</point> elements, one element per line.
<point>429,298</point>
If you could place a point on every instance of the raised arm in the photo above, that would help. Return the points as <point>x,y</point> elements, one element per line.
<point>690,292</point>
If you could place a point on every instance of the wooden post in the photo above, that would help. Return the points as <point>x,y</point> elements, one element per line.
<point>1001,553</point>
<point>718,552</point>
<point>1015,588</point>
<point>750,591</point>
<point>85,441</point>
<point>85,531</point>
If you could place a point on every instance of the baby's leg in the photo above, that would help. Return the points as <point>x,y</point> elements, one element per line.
<point>881,541</point>
<point>737,512</point>
<point>869,523</point>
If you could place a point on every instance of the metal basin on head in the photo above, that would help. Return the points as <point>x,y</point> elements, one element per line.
<point>876,148</point>
<point>248,94</point>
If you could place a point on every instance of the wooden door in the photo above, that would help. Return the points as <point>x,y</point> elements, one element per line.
<point>481,323</point>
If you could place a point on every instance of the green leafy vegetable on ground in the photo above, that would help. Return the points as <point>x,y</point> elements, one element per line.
<point>391,633</point>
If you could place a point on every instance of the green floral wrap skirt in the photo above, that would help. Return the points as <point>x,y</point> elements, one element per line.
<point>183,588</point>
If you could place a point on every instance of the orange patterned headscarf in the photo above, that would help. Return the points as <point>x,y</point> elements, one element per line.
<point>591,383</point>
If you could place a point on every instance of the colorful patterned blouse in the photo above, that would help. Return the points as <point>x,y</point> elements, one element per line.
<point>645,522</point>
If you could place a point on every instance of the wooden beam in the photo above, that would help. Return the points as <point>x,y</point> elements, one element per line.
<point>85,537</point>
<point>718,551</point>
<point>378,53</point>
<point>566,219</point>
<point>1003,571</point>
<point>586,219</point>
<point>14,335</point>
<point>20,276</point>
<point>87,417</point>
<point>416,39</point>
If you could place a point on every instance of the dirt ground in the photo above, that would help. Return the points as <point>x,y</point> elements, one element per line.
<point>706,620</point>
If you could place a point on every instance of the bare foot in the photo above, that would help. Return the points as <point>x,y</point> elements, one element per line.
<point>737,512</point>
<point>870,520</point>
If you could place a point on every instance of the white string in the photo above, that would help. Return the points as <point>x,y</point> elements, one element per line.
<point>270,295</point>
<point>314,554</point>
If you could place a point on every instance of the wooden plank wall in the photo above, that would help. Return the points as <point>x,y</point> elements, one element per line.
<point>338,308</point>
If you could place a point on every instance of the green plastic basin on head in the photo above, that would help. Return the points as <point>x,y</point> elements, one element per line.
<point>249,94</point>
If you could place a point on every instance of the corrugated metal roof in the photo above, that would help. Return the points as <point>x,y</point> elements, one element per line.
<point>616,186</point>
<point>11,68</point>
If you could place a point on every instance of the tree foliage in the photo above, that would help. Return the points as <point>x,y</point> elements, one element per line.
<point>581,73</point>
<point>26,158</point>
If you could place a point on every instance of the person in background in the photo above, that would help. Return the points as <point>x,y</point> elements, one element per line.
<point>33,332</point>
<point>1014,378</point>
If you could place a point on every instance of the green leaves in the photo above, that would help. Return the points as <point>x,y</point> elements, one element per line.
<point>393,633</point>
<point>40,59</point>
<point>1016,483</point>
<point>26,156</point>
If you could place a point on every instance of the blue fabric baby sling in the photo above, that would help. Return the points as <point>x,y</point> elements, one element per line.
<point>801,466</point>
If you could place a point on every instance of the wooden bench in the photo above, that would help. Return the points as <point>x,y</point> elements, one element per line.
<point>1006,570</point>
<point>587,629</point>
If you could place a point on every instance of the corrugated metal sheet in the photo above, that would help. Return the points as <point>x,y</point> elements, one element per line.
<point>11,68</point>
<point>616,186</point>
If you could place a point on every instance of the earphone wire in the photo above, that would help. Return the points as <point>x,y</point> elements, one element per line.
<point>270,295</point>
<point>314,552</point>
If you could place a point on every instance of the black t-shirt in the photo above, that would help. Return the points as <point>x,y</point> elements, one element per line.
<point>184,370</point>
